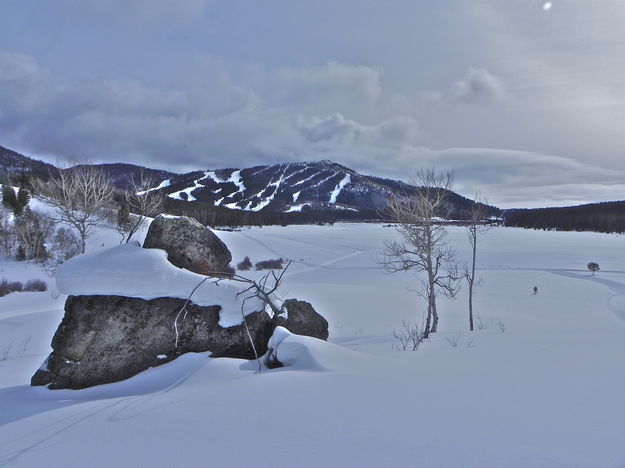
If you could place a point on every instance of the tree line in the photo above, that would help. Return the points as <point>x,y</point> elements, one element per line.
<point>608,217</point>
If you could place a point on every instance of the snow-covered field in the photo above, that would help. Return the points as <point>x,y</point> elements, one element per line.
<point>541,384</point>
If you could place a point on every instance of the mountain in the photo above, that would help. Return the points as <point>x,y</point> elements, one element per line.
<point>296,187</point>
<point>121,174</point>
<point>13,164</point>
<point>288,192</point>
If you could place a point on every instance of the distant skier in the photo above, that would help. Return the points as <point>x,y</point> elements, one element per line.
<point>535,290</point>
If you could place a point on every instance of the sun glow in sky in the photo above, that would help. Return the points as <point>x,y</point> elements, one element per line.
<point>547,6</point>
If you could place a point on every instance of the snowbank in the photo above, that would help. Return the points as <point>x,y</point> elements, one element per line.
<point>306,353</point>
<point>131,271</point>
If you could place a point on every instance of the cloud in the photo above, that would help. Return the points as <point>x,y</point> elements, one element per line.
<point>23,85</point>
<point>520,178</point>
<point>478,86</point>
<point>326,88</point>
<point>336,128</point>
<point>211,121</point>
<point>199,121</point>
<point>128,121</point>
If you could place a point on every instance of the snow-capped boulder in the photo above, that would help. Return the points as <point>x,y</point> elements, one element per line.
<point>188,244</point>
<point>129,309</point>
<point>301,318</point>
<point>104,339</point>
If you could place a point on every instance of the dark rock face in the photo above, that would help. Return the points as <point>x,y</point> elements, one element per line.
<point>104,339</point>
<point>188,244</point>
<point>302,319</point>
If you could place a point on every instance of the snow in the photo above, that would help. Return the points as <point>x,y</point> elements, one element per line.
<point>196,185</point>
<point>337,190</point>
<point>303,181</point>
<point>266,201</point>
<point>547,392</point>
<point>298,208</point>
<point>131,271</point>
<point>236,179</point>
<point>163,184</point>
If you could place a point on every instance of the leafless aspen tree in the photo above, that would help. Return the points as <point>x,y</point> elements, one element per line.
<point>475,228</point>
<point>79,194</point>
<point>423,245</point>
<point>142,203</point>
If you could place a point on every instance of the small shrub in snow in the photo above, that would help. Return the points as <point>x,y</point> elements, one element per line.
<point>274,264</point>
<point>454,340</point>
<point>593,267</point>
<point>410,335</point>
<point>6,351</point>
<point>246,264</point>
<point>36,285</point>
<point>7,287</point>
<point>228,271</point>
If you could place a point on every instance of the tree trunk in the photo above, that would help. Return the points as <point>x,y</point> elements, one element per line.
<point>428,321</point>
<point>472,279</point>
<point>471,305</point>
<point>432,306</point>
<point>83,238</point>
<point>434,316</point>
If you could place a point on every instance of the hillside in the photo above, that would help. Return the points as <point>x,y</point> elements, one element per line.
<point>288,188</point>
<point>280,193</point>
<point>13,163</point>
<point>606,217</point>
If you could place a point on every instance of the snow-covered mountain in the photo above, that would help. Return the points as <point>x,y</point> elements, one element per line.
<point>284,187</point>
<point>291,187</point>
<point>322,186</point>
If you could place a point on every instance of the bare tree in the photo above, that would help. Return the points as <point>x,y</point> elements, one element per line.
<point>141,202</point>
<point>423,245</point>
<point>32,230</point>
<point>475,229</point>
<point>7,233</point>
<point>79,195</point>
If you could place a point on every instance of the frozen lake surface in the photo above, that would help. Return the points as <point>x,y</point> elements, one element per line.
<point>540,384</point>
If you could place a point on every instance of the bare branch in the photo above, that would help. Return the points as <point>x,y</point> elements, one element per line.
<point>79,195</point>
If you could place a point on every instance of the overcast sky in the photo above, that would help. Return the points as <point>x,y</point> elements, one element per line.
<point>524,99</point>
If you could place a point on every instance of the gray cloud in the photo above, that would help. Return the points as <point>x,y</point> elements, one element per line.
<point>478,86</point>
<point>321,89</point>
<point>335,128</point>
<point>212,120</point>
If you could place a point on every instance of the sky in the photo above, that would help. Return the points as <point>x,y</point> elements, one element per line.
<point>523,99</point>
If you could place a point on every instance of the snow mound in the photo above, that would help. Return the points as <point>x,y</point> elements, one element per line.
<point>300,352</point>
<point>131,271</point>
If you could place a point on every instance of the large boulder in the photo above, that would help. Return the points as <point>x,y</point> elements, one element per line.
<point>105,339</point>
<point>300,317</point>
<point>188,244</point>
